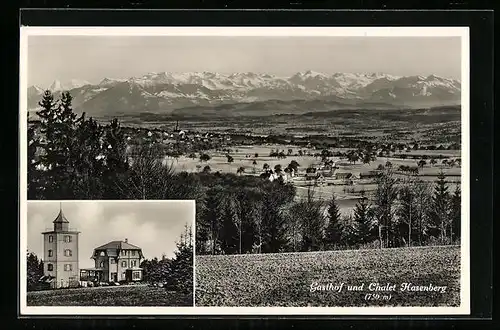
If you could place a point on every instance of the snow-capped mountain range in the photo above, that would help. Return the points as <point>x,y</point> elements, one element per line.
<point>165,92</point>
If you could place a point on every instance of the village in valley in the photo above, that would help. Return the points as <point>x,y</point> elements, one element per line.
<point>347,165</point>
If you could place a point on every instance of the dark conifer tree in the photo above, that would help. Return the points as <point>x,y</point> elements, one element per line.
<point>229,233</point>
<point>456,211</point>
<point>440,208</point>
<point>34,268</point>
<point>33,172</point>
<point>334,227</point>
<point>181,268</point>
<point>363,219</point>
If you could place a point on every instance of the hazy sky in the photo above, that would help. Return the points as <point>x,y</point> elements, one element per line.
<point>94,57</point>
<point>153,226</point>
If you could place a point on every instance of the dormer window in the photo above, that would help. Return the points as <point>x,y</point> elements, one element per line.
<point>102,254</point>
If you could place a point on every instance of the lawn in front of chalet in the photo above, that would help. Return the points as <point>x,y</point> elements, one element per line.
<point>127,295</point>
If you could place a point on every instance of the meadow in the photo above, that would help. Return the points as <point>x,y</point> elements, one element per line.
<point>285,279</point>
<point>245,155</point>
<point>133,295</point>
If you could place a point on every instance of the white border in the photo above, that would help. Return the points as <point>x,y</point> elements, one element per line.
<point>462,32</point>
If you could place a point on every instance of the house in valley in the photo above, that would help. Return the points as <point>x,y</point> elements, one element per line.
<point>369,175</point>
<point>116,261</point>
<point>343,175</point>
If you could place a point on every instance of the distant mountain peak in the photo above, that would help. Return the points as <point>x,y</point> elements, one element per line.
<point>58,86</point>
<point>165,91</point>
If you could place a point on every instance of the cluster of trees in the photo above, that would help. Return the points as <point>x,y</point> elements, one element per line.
<point>279,154</point>
<point>34,271</point>
<point>175,274</point>
<point>74,157</point>
<point>246,216</point>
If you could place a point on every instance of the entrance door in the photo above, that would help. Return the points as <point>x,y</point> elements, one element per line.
<point>114,276</point>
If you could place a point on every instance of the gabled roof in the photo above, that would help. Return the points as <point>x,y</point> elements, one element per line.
<point>120,245</point>
<point>60,218</point>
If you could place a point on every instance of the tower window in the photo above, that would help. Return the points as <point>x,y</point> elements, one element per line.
<point>68,253</point>
<point>67,239</point>
<point>68,267</point>
<point>50,253</point>
<point>51,238</point>
<point>50,267</point>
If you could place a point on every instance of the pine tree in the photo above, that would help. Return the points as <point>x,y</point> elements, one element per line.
<point>181,269</point>
<point>114,153</point>
<point>229,232</point>
<point>406,212</point>
<point>58,124</point>
<point>440,207</point>
<point>88,165</point>
<point>456,211</point>
<point>210,217</point>
<point>247,202</point>
<point>273,224</point>
<point>348,235</point>
<point>34,269</point>
<point>385,196</point>
<point>334,228</point>
<point>33,173</point>
<point>312,222</point>
<point>48,128</point>
<point>363,219</point>
<point>422,191</point>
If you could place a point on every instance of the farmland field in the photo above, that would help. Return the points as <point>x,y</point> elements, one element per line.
<point>134,295</point>
<point>218,161</point>
<point>285,279</point>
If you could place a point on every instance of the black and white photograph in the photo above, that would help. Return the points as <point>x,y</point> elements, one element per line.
<point>110,253</point>
<point>325,165</point>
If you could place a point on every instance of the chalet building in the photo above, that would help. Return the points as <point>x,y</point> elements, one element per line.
<point>369,175</point>
<point>60,254</point>
<point>116,261</point>
<point>343,175</point>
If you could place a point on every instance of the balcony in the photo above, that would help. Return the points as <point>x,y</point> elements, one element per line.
<point>47,229</point>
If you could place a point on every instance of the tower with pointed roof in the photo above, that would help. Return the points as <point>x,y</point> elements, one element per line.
<point>60,253</point>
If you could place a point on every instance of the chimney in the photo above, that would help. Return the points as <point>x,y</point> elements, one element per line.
<point>126,240</point>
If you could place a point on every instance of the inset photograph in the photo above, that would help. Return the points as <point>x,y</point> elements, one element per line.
<point>110,253</point>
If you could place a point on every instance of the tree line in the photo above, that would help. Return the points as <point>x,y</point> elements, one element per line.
<point>236,217</point>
